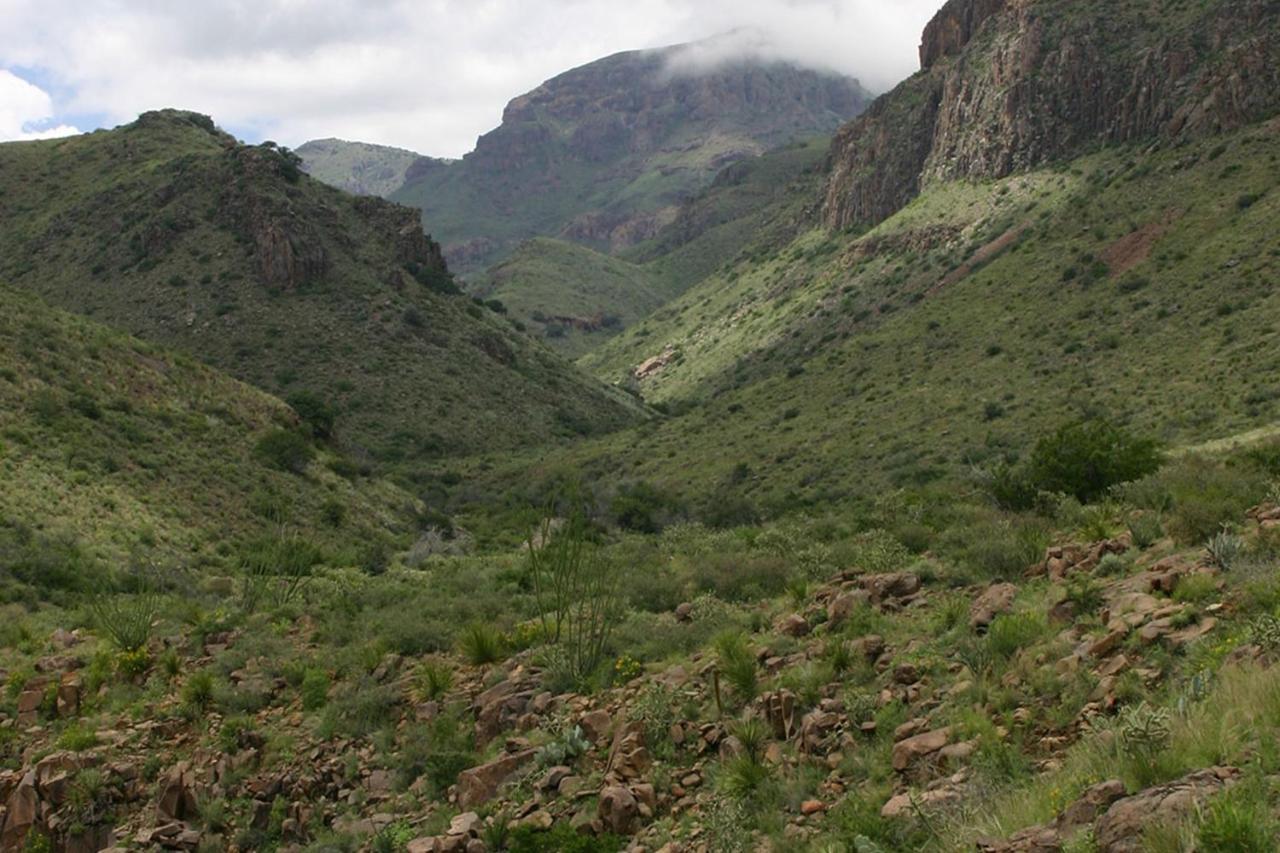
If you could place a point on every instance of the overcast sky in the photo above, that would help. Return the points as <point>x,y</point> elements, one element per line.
<point>429,75</point>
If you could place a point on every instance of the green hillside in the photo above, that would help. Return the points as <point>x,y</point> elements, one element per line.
<point>1131,283</point>
<point>112,449</point>
<point>169,229</point>
<point>357,167</point>
<point>565,291</point>
<point>571,296</point>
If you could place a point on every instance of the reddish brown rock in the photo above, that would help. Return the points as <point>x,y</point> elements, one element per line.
<point>618,810</point>
<point>907,752</point>
<point>997,599</point>
<point>479,784</point>
<point>1120,829</point>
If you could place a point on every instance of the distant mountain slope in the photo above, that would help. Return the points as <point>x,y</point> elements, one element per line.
<point>122,446</point>
<point>169,229</point>
<point>572,296</point>
<point>357,167</point>
<point>566,292</point>
<point>948,326</point>
<point>603,154</point>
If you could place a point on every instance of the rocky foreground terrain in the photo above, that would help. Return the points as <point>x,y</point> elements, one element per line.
<point>898,681</point>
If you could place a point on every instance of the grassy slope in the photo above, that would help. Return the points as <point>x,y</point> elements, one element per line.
<point>124,445</point>
<point>129,226</point>
<point>357,167</point>
<point>898,355</point>
<point>747,206</point>
<point>553,279</point>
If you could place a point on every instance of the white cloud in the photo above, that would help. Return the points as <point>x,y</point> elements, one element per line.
<point>429,75</point>
<point>25,111</point>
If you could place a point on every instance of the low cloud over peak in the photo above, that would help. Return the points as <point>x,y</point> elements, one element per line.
<point>428,76</point>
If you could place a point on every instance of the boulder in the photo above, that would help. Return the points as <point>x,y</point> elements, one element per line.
<point>22,812</point>
<point>618,810</point>
<point>779,709</point>
<point>794,625</point>
<point>997,599</point>
<point>177,798</point>
<point>479,784</point>
<point>845,605</point>
<point>887,587</point>
<point>907,752</point>
<point>1120,829</point>
<point>596,725</point>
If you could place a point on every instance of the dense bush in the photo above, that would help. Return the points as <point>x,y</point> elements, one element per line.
<point>317,414</point>
<point>643,508</point>
<point>285,450</point>
<point>1086,458</point>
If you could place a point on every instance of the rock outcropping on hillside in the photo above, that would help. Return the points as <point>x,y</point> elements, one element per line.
<point>1012,84</point>
<point>604,154</point>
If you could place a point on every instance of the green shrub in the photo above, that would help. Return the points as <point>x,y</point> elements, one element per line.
<point>1011,632</point>
<point>736,662</point>
<point>481,643</point>
<point>1239,821</point>
<point>1086,458</point>
<point>432,680</point>
<point>561,838</point>
<point>1146,528</point>
<point>318,415</point>
<point>642,507</point>
<point>360,707</point>
<point>77,738</point>
<point>437,751</point>
<point>314,689</point>
<point>1195,589</point>
<point>197,692</point>
<point>285,450</point>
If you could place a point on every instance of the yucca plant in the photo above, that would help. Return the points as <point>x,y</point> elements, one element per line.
<point>432,679</point>
<point>1224,550</point>
<point>481,643</point>
<point>737,664</point>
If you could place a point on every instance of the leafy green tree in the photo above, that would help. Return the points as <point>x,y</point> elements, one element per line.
<point>1087,457</point>
<point>315,412</point>
<point>286,450</point>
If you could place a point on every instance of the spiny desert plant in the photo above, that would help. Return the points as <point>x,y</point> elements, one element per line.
<point>576,588</point>
<point>126,619</point>
<point>1146,528</point>
<point>1224,550</point>
<point>564,749</point>
<point>1143,730</point>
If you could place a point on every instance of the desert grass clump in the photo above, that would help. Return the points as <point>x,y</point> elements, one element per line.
<point>197,692</point>
<point>736,663</point>
<point>481,643</point>
<point>1011,632</point>
<point>432,680</point>
<point>1239,820</point>
<point>1146,529</point>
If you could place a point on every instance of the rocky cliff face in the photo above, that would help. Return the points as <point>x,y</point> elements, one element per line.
<point>604,154</point>
<point>1012,84</point>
